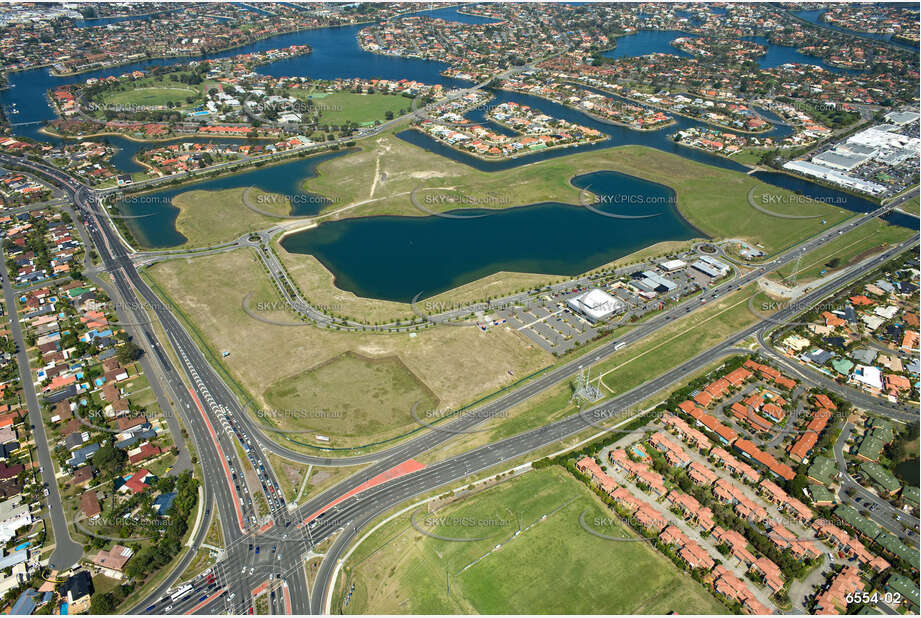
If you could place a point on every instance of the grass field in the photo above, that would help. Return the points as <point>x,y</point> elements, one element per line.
<point>913,206</point>
<point>456,365</point>
<point>290,474</point>
<point>851,247</point>
<point>381,176</point>
<point>339,108</point>
<point>211,217</point>
<point>322,478</point>
<point>679,341</point>
<point>554,566</point>
<point>388,391</point>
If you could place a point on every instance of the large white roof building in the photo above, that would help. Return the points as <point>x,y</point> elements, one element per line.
<point>596,304</point>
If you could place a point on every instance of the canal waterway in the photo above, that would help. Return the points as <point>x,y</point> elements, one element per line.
<point>398,257</point>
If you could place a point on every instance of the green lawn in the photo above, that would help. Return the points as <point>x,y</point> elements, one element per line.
<point>338,108</point>
<point>871,237</point>
<point>911,206</point>
<point>678,342</point>
<point>379,178</point>
<point>554,567</point>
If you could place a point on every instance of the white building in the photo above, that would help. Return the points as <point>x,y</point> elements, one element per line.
<point>870,377</point>
<point>596,305</point>
<point>672,265</point>
<point>13,516</point>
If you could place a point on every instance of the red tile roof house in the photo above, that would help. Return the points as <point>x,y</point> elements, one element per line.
<point>790,504</point>
<point>627,500</point>
<point>686,432</point>
<point>653,480</point>
<point>731,587</point>
<point>696,556</point>
<point>111,563</point>
<point>704,399</point>
<point>737,544</point>
<point>784,539</point>
<point>748,449</point>
<point>705,518</point>
<point>674,454</point>
<point>641,471</point>
<point>833,600</point>
<point>701,474</point>
<point>685,503</point>
<point>724,491</point>
<point>145,451</point>
<point>738,376</point>
<point>650,518</point>
<point>599,477</point>
<point>672,535</point>
<point>747,509</point>
<point>136,483</point>
<point>773,577</point>
<point>800,449</point>
<point>89,505</point>
<point>748,416</point>
<point>735,466</point>
<point>724,433</point>
<point>718,388</point>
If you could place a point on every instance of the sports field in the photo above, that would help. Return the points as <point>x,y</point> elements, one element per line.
<point>155,91</point>
<point>552,566</point>
<point>337,108</point>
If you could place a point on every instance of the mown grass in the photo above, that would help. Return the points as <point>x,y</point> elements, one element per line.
<point>555,566</point>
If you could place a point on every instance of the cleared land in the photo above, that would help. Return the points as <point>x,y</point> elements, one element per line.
<point>872,237</point>
<point>338,108</point>
<point>553,567</point>
<point>211,217</point>
<point>387,390</point>
<point>457,365</point>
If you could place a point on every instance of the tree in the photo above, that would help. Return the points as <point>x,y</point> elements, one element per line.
<point>109,460</point>
<point>128,352</point>
<point>103,603</point>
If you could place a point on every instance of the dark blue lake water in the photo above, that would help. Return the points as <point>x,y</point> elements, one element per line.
<point>396,258</point>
